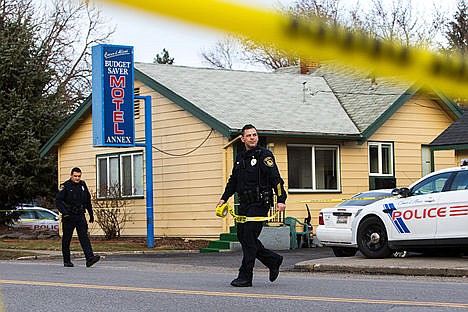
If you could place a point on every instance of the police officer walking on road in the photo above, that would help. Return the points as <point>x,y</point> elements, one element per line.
<point>71,201</point>
<point>253,177</point>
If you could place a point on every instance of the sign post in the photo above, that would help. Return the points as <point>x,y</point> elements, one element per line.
<point>149,169</point>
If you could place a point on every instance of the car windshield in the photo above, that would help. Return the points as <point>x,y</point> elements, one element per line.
<point>373,197</point>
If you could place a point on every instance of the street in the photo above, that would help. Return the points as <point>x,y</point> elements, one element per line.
<point>200,282</point>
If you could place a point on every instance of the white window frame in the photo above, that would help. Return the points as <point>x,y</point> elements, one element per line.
<point>313,148</point>
<point>120,157</point>
<point>380,146</point>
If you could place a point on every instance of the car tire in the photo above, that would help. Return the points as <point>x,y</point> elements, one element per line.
<point>344,251</point>
<point>372,239</point>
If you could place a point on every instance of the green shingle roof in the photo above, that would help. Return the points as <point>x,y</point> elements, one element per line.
<point>326,103</point>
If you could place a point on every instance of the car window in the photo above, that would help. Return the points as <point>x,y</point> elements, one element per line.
<point>364,202</point>
<point>45,215</point>
<point>434,184</point>
<point>27,214</point>
<point>460,182</point>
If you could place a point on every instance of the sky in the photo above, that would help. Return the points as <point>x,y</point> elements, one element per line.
<point>184,42</point>
<point>150,33</point>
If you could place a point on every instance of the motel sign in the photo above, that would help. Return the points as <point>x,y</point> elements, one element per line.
<point>113,115</point>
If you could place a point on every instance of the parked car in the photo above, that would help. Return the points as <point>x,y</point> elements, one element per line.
<point>36,218</point>
<point>430,215</point>
<point>335,223</point>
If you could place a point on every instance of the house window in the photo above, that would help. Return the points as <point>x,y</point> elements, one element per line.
<point>380,159</point>
<point>120,172</point>
<point>313,168</point>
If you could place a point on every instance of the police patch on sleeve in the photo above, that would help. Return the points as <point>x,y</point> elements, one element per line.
<point>268,161</point>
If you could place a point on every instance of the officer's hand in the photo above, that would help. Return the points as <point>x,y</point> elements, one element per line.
<point>91,219</point>
<point>280,207</point>
<point>220,203</point>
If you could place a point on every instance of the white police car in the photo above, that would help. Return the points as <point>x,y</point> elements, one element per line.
<point>432,214</point>
<point>335,223</point>
<point>36,218</point>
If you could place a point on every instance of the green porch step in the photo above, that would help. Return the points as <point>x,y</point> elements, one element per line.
<point>230,237</point>
<point>208,249</point>
<point>224,242</point>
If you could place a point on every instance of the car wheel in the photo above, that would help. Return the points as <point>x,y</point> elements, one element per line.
<point>344,251</point>
<point>372,239</point>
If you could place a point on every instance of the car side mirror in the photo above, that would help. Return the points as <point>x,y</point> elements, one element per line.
<point>403,192</point>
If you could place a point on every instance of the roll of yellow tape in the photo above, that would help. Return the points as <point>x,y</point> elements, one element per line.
<point>222,211</point>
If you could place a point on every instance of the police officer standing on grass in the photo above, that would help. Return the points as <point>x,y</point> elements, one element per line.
<point>253,177</point>
<point>72,200</point>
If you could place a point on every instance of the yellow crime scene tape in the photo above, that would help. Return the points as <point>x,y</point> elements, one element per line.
<point>315,40</point>
<point>222,211</point>
<point>339,200</point>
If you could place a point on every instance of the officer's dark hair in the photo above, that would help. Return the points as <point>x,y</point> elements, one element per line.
<point>76,169</point>
<point>247,127</point>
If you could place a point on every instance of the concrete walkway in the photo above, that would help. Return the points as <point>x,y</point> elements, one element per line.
<point>416,265</point>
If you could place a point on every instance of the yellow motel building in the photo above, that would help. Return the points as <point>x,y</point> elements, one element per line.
<point>333,133</point>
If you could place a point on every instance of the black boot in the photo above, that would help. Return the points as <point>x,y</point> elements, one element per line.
<point>240,282</point>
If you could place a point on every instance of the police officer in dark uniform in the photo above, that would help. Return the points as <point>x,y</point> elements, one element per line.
<point>253,177</point>
<point>72,200</point>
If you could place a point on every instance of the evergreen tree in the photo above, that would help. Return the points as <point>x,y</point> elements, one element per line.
<point>44,75</point>
<point>457,30</point>
<point>164,58</point>
<point>27,116</point>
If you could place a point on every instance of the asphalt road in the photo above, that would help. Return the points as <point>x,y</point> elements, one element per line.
<point>200,282</point>
<point>230,260</point>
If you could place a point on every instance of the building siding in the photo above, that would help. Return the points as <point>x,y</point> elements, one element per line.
<point>186,187</point>
<point>416,123</point>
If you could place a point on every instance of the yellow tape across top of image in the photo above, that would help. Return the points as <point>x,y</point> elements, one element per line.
<point>315,40</point>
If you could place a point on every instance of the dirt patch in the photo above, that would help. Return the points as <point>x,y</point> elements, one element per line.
<point>11,235</point>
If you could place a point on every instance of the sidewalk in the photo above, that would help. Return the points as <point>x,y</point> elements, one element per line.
<point>428,266</point>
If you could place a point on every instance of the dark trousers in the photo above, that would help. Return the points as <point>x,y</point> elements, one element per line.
<point>78,222</point>
<point>252,248</point>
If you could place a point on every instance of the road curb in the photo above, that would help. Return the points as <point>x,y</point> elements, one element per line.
<point>420,267</point>
<point>75,255</point>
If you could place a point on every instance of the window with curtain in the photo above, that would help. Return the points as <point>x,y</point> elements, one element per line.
<point>380,159</point>
<point>122,172</point>
<point>313,168</point>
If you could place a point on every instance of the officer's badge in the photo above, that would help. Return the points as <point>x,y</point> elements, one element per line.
<point>253,162</point>
<point>268,161</point>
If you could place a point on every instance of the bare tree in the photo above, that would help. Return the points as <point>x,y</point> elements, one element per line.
<point>395,20</point>
<point>112,212</point>
<point>268,55</point>
<point>44,75</point>
<point>224,53</point>
<point>398,21</point>
<point>66,32</point>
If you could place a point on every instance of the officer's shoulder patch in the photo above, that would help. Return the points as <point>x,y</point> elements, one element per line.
<point>268,161</point>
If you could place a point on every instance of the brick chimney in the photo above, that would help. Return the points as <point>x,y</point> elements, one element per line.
<point>307,66</point>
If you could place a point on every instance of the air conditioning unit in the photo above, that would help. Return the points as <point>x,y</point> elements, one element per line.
<point>384,182</point>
